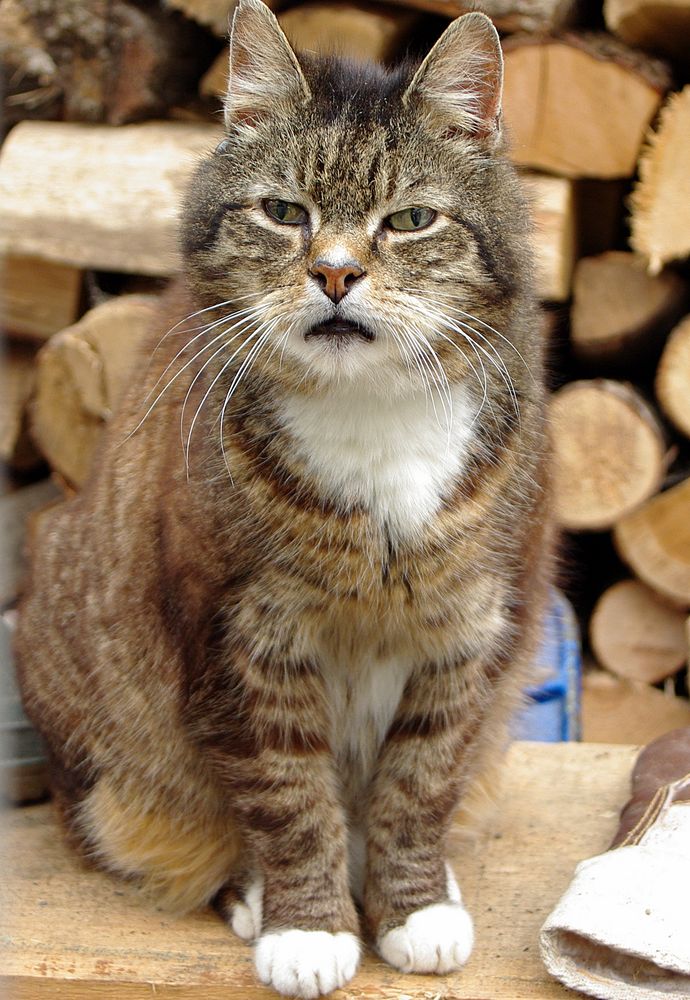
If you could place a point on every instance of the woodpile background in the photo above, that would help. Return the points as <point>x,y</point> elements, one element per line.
<point>106,105</point>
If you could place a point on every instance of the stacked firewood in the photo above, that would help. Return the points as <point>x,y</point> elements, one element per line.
<point>107,104</point>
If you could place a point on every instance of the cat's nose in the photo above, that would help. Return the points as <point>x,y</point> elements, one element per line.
<point>336,280</point>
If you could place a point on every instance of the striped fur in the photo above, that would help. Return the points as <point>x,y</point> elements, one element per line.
<point>277,638</point>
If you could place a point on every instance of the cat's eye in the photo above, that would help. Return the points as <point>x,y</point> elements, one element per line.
<point>410,219</point>
<point>286,212</point>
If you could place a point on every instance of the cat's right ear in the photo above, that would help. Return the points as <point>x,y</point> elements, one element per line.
<point>461,80</point>
<point>263,68</point>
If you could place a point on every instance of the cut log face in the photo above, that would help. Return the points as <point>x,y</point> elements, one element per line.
<point>577,106</point>
<point>620,312</point>
<point>81,375</point>
<point>661,26</point>
<point>673,378</point>
<point>608,453</point>
<point>655,542</point>
<point>635,634</point>
<point>95,196</point>
<point>38,297</point>
<point>660,202</point>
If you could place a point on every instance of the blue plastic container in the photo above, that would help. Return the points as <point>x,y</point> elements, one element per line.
<point>553,711</point>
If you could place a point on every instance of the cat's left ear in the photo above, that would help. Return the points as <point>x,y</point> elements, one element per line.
<point>461,79</point>
<point>263,68</point>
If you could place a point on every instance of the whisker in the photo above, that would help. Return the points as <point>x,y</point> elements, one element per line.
<point>200,312</point>
<point>205,329</point>
<point>214,381</point>
<point>244,369</point>
<point>181,370</point>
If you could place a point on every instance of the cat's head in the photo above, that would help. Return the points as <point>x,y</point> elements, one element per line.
<point>355,218</point>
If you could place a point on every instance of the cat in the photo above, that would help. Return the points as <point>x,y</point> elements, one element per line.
<point>282,631</point>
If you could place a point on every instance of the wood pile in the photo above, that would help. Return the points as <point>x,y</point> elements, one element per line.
<point>107,104</point>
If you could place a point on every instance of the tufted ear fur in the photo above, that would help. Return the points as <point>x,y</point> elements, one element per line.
<point>263,68</point>
<point>461,79</point>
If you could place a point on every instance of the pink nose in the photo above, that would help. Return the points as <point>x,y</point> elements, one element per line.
<point>336,280</point>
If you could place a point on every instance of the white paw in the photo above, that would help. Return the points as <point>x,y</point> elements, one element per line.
<point>246,917</point>
<point>306,963</point>
<point>438,939</point>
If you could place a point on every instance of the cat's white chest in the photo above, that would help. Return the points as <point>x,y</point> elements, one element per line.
<point>397,458</point>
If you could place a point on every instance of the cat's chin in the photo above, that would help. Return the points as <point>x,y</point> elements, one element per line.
<point>340,332</point>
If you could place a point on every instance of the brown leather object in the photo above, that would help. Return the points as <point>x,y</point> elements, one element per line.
<point>663,761</point>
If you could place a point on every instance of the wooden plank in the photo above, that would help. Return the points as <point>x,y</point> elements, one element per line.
<point>97,196</point>
<point>73,933</point>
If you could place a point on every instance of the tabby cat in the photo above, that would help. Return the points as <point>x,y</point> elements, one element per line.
<point>278,636</point>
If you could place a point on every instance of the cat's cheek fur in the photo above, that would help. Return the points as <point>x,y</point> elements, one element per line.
<point>306,963</point>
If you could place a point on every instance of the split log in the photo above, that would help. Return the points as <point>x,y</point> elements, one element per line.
<point>555,241</point>
<point>15,511</point>
<point>636,634</point>
<point>116,60</point>
<point>17,377</point>
<point>579,105</point>
<point>621,313</point>
<point>661,26</point>
<point>672,384</point>
<point>660,202</point>
<point>81,374</point>
<point>37,297</point>
<point>654,541</point>
<point>95,196</point>
<point>608,453</point>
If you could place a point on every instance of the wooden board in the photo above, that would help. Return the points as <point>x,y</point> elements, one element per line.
<point>77,935</point>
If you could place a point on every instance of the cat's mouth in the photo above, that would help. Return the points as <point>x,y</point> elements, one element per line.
<point>340,330</point>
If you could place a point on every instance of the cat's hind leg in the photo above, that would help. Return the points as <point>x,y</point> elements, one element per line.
<point>240,903</point>
<point>181,856</point>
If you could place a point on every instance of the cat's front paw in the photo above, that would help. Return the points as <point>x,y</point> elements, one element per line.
<point>438,938</point>
<point>306,963</point>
